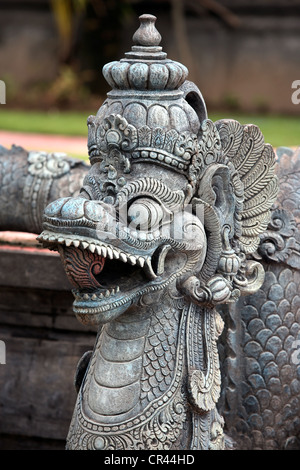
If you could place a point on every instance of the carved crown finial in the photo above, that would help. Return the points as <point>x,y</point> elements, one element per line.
<point>147,34</point>
<point>146,67</point>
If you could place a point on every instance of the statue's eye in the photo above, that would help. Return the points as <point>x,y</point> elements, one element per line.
<point>145,214</point>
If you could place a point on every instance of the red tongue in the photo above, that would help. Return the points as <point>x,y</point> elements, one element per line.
<point>82,266</point>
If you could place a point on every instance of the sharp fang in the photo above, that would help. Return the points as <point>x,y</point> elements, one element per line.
<point>104,252</point>
<point>107,293</point>
<point>76,243</point>
<point>100,296</point>
<point>92,247</point>
<point>161,261</point>
<point>99,251</point>
<point>149,270</point>
<point>141,262</point>
<point>69,242</point>
<point>109,253</point>
<point>84,245</point>
<point>94,297</point>
<point>86,296</point>
<point>116,254</point>
<point>112,291</point>
<point>132,260</point>
<point>117,289</point>
<point>123,257</point>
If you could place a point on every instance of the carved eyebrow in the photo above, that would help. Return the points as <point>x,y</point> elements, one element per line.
<point>154,188</point>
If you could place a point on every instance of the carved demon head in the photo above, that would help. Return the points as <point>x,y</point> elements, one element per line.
<point>171,199</point>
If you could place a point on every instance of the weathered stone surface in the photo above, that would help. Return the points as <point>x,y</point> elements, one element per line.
<point>154,273</point>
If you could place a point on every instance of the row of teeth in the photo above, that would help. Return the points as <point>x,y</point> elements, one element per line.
<point>97,295</point>
<point>104,251</point>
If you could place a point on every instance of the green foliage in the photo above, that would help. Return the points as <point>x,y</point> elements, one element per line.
<point>54,122</point>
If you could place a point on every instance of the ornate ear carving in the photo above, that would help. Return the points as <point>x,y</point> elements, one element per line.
<point>236,180</point>
<point>254,162</point>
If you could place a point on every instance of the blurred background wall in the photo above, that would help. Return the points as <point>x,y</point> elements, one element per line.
<point>243,54</point>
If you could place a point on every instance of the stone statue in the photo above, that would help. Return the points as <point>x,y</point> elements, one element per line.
<point>160,235</point>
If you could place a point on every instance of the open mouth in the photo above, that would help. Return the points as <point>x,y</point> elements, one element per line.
<point>103,276</point>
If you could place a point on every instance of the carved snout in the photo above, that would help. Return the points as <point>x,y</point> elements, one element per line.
<point>67,213</point>
<point>74,209</point>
